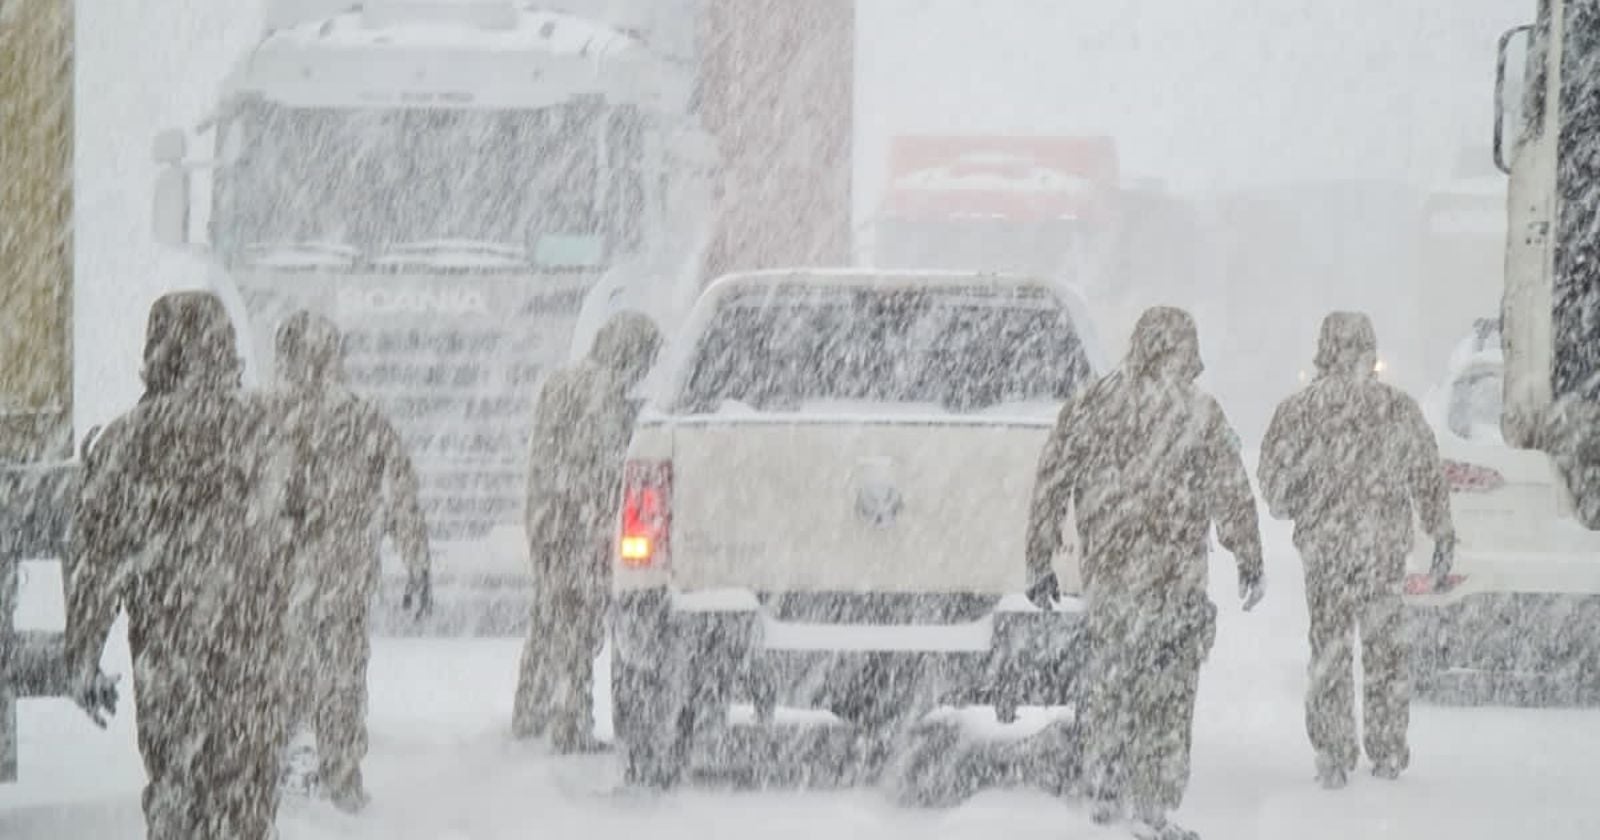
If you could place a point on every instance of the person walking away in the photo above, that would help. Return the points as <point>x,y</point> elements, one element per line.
<point>582,425</point>
<point>1348,459</point>
<point>181,523</point>
<point>1148,464</point>
<point>351,485</point>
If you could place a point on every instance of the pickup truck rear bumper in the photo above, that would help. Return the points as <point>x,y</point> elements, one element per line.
<point>1015,656</point>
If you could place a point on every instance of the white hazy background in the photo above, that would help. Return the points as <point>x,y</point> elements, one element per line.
<point>1199,93</point>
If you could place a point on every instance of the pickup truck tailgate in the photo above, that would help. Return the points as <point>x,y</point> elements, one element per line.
<point>853,506</point>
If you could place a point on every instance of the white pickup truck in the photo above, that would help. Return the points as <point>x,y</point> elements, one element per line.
<point>825,505</point>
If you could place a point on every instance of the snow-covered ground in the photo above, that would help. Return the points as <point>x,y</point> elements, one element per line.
<point>443,765</point>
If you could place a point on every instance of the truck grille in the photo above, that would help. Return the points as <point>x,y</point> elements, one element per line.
<point>462,400</point>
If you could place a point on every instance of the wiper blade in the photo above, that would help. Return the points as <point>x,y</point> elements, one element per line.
<point>294,254</point>
<point>469,246</point>
<point>470,253</point>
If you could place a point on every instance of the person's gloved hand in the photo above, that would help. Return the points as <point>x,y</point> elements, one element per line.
<point>418,598</point>
<point>96,694</point>
<point>1045,592</point>
<point>1251,591</point>
<point>1444,558</point>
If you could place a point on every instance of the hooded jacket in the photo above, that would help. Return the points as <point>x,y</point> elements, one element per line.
<point>1148,464</point>
<point>582,425</point>
<point>181,523</point>
<point>352,482</point>
<point>1351,457</point>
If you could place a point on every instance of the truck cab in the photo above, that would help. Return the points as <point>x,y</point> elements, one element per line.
<point>1547,116</point>
<point>451,183</point>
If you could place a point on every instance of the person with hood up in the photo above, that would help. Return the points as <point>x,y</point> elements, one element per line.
<point>1147,463</point>
<point>1347,459</point>
<point>582,425</point>
<point>181,522</point>
<point>352,484</point>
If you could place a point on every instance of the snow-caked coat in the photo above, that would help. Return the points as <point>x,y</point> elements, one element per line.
<point>582,424</point>
<point>1149,464</point>
<point>353,482</point>
<point>181,524</point>
<point>1350,455</point>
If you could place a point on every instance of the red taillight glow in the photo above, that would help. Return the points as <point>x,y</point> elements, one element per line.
<point>1471,478</point>
<point>646,513</point>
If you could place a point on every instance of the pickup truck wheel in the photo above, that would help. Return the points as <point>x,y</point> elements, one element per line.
<point>648,728</point>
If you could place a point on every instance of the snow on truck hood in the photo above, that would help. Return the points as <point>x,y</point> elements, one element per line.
<point>486,27</point>
<point>524,59</point>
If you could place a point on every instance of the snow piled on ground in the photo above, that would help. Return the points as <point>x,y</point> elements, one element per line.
<point>443,765</point>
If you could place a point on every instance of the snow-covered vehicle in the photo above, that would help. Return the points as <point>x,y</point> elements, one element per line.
<point>468,188</point>
<point>826,501</point>
<point>1521,619</point>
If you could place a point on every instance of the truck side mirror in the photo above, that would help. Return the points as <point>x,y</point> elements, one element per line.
<point>169,214</point>
<point>1504,107</point>
<point>170,148</point>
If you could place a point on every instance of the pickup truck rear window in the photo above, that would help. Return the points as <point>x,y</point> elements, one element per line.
<point>797,349</point>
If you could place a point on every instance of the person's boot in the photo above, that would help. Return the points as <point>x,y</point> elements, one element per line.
<point>576,740</point>
<point>1387,769</point>
<point>350,800</point>
<point>298,769</point>
<point>345,790</point>
<point>1331,774</point>
<point>1106,811</point>
<point>525,726</point>
<point>1152,824</point>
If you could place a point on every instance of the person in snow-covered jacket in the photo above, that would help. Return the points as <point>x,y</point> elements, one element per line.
<point>582,425</point>
<point>351,485</point>
<point>181,523</point>
<point>1349,459</point>
<point>1148,465</point>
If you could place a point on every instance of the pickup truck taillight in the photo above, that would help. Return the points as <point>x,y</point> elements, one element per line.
<point>1471,478</point>
<point>646,513</point>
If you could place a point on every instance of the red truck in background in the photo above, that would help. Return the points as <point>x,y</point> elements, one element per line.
<point>1029,205</point>
<point>1057,207</point>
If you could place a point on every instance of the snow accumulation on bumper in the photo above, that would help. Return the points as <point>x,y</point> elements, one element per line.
<point>1016,653</point>
<point>1517,648</point>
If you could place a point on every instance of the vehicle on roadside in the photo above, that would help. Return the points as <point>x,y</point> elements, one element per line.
<point>825,505</point>
<point>1520,621</point>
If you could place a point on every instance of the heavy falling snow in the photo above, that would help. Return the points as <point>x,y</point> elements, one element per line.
<point>1152,418</point>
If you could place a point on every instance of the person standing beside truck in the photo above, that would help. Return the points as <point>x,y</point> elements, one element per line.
<point>1148,464</point>
<point>582,425</point>
<point>181,521</point>
<point>351,485</point>
<point>1347,459</point>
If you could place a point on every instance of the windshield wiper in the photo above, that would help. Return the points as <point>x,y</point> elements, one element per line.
<point>301,254</point>
<point>456,253</point>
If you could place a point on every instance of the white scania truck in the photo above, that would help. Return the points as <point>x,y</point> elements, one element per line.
<point>469,187</point>
<point>450,182</point>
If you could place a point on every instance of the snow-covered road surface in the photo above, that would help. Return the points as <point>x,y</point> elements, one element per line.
<point>443,766</point>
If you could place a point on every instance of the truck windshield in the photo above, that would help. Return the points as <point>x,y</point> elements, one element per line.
<point>559,187</point>
<point>848,350</point>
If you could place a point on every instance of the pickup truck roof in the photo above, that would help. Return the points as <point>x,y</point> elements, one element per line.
<point>1066,294</point>
<point>755,291</point>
